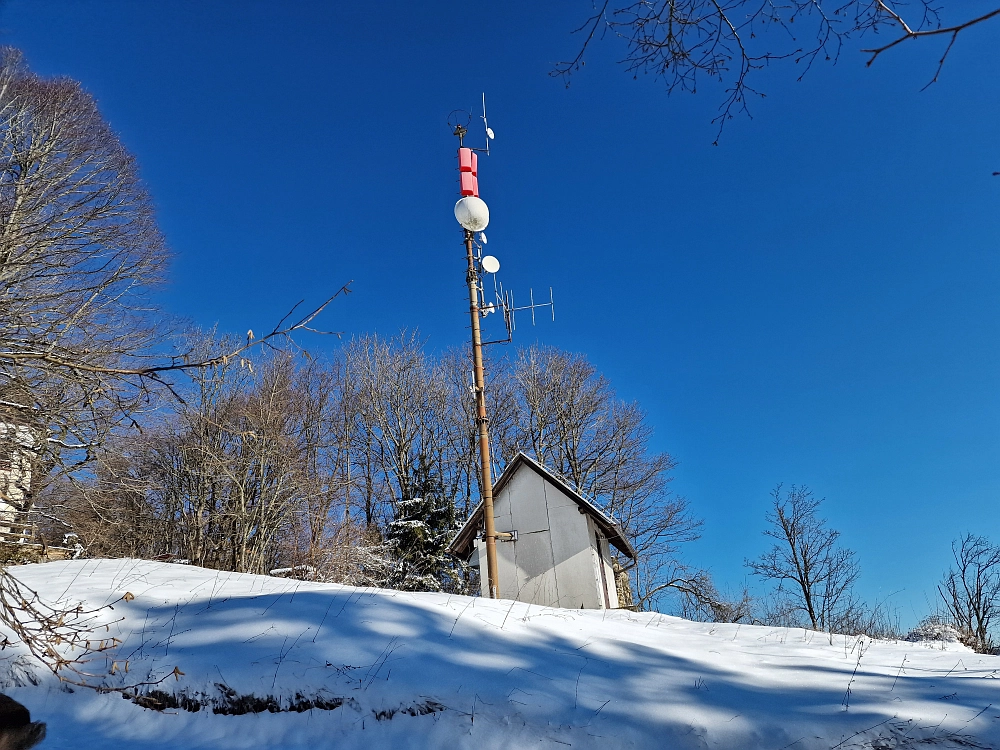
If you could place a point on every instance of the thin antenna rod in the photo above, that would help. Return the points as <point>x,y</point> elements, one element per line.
<point>489,133</point>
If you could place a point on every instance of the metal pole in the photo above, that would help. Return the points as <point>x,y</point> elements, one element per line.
<point>482,422</point>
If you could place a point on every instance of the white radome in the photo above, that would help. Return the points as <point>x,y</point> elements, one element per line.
<point>490,264</point>
<point>472,213</point>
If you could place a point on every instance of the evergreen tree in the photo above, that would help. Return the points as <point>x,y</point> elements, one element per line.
<point>425,524</point>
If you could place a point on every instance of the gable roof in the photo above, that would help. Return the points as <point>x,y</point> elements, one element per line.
<point>464,541</point>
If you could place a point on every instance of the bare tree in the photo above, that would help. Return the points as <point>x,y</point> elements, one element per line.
<point>80,347</point>
<point>971,590</point>
<point>806,558</point>
<point>401,407</point>
<point>688,42</point>
<point>80,351</point>
<point>323,402</point>
<point>502,407</point>
<point>78,243</point>
<point>323,457</point>
<point>230,477</point>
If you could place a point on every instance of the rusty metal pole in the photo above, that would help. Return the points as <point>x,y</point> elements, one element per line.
<point>482,421</point>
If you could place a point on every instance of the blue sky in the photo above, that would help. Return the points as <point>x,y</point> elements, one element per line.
<point>813,301</point>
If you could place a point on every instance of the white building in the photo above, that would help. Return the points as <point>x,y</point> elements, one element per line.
<point>15,478</point>
<point>560,556</point>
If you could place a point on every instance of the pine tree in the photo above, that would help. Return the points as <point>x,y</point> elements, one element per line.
<point>425,524</point>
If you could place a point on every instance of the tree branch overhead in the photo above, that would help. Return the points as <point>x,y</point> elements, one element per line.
<point>728,42</point>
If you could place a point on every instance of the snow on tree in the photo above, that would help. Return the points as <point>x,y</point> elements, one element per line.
<point>419,535</point>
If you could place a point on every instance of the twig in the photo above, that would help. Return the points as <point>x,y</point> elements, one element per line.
<point>910,33</point>
<point>898,673</point>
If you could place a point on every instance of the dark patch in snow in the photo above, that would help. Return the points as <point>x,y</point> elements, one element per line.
<point>159,700</point>
<point>908,735</point>
<point>231,703</point>
<point>417,709</point>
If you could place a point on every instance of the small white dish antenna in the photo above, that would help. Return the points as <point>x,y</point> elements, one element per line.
<point>489,308</point>
<point>490,264</point>
<point>482,237</point>
<point>472,213</point>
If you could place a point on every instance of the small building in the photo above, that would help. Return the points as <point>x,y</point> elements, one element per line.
<point>559,553</point>
<point>15,481</point>
<point>17,454</point>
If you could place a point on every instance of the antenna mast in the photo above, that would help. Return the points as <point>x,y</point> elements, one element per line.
<point>482,421</point>
<point>473,214</point>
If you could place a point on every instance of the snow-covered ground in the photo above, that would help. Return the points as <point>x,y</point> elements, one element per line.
<point>433,671</point>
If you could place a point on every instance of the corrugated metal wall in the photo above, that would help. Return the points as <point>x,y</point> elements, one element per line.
<point>555,561</point>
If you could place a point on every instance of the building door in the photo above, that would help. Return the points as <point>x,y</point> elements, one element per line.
<point>601,544</point>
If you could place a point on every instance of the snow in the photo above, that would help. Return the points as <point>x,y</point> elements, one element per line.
<point>433,670</point>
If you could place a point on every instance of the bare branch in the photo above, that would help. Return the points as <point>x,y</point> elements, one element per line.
<point>728,42</point>
<point>563,69</point>
<point>910,33</point>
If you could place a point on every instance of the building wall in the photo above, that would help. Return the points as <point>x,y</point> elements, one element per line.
<point>555,561</point>
<point>15,478</point>
<point>15,468</point>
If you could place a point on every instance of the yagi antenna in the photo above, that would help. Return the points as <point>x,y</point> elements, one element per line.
<point>504,301</point>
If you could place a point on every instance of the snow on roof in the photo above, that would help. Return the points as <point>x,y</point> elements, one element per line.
<point>464,541</point>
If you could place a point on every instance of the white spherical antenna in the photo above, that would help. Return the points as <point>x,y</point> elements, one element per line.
<point>490,264</point>
<point>482,237</point>
<point>472,213</point>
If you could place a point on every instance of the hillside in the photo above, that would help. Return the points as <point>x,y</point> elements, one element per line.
<point>390,669</point>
